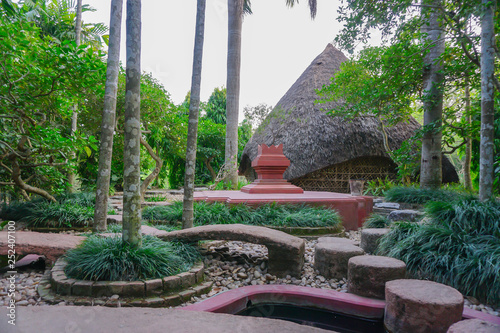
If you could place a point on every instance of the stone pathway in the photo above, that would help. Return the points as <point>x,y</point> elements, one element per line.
<point>229,265</point>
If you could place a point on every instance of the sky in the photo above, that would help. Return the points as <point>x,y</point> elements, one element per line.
<point>278,43</point>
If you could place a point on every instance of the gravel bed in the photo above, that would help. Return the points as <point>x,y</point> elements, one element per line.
<point>229,265</point>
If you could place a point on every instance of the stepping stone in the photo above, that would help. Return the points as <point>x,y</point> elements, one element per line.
<point>339,240</point>
<point>405,215</point>
<point>331,258</point>
<point>114,219</point>
<point>386,205</point>
<point>421,306</point>
<point>474,325</point>
<point>367,275</point>
<point>370,238</point>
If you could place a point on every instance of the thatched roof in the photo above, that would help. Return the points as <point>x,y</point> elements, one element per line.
<point>313,140</point>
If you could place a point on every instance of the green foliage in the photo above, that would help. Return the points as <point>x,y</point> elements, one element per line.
<point>266,215</point>
<point>378,187</point>
<point>216,106</point>
<point>420,195</point>
<point>115,228</point>
<point>155,198</point>
<point>110,259</point>
<point>40,81</point>
<point>376,221</point>
<point>459,246</point>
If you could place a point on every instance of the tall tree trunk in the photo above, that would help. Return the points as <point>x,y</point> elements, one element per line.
<point>74,117</point>
<point>235,20</point>
<point>132,151</point>
<point>433,81</point>
<point>108,117</point>
<point>487,146</point>
<point>194,109</point>
<point>468,144</point>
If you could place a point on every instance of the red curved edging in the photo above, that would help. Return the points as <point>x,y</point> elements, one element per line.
<point>235,300</point>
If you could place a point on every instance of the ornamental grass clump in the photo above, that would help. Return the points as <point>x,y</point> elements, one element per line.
<point>376,221</point>
<point>458,246</point>
<point>265,215</point>
<point>111,259</point>
<point>70,210</point>
<point>415,195</point>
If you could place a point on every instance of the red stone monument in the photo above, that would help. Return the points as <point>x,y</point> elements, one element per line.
<point>270,165</point>
<point>270,187</point>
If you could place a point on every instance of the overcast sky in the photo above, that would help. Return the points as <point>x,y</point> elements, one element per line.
<point>278,43</point>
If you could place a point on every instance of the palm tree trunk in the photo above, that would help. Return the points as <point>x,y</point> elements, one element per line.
<point>194,109</point>
<point>74,116</point>
<point>235,20</point>
<point>108,117</point>
<point>487,147</point>
<point>132,152</point>
<point>433,81</point>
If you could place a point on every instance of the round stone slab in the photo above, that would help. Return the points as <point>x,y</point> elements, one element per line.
<point>421,306</point>
<point>474,325</point>
<point>370,238</point>
<point>367,275</point>
<point>331,259</point>
<point>338,240</point>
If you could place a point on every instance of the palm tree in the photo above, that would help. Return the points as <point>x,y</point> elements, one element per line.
<point>433,77</point>
<point>108,117</point>
<point>132,152</point>
<point>236,9</point>
<point>74,117</point>
<point>487,145</point>
<point>194,109</point>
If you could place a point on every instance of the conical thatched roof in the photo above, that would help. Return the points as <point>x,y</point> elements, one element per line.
<point>313,140</point>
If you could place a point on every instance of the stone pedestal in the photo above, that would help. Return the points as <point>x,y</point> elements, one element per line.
<point>331,258</point>
<point>270,165</point>
<point>474,325</point>
<point>367,275</point>
<point>370,238</point>
<point>421,306</point>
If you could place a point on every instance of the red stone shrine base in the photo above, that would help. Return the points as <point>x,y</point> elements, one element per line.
<point>352,209</point>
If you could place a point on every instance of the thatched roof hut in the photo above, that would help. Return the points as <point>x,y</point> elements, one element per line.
<point>324,151</point>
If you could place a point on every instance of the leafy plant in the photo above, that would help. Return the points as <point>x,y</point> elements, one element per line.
<point>155,198</point>
<point>378,187</point>
<point>111,259</point>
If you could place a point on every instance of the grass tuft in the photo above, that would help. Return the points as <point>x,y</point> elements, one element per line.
<point>376,221</point>
<point>111,259</point>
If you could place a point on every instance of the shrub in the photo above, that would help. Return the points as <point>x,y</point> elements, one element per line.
<point>378,187</point>
<point>111,259</point>
<point>420,196</point>
<point>376,221</point>
<point>266,215</point>
<point>459,246</point>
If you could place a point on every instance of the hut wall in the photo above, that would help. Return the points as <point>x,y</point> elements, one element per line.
<point>335,178</point>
